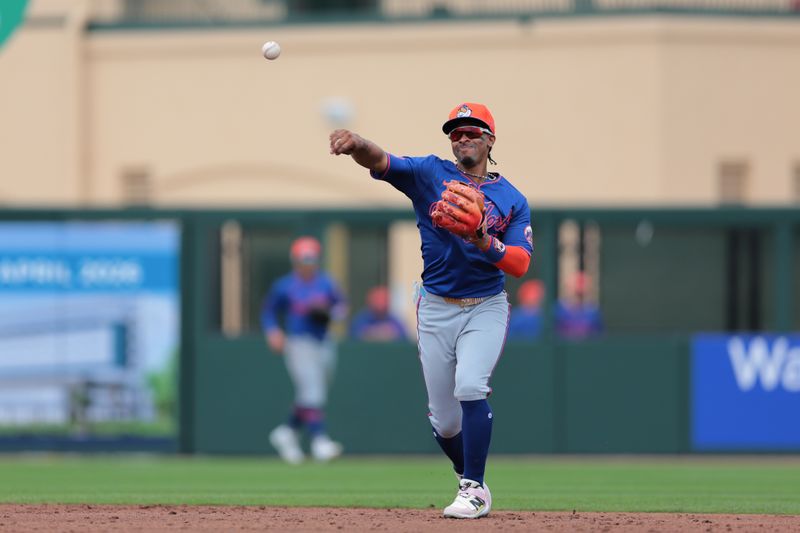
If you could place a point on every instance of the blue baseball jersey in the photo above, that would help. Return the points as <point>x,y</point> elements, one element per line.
<point>292,298</point>
<point>368,325</point>
<point>524,324</point>
<point>578,321</point>
<point>453,267</point>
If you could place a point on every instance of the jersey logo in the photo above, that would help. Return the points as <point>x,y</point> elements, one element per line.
<point>495,221</point>
<point>430,211</point>
<point>464,111</point>
<point>304,305</point>
<point>529,235</point>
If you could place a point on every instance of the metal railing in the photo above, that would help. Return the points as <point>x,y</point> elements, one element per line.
<point>189,13</point>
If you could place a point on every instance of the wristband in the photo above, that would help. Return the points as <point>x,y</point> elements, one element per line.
<point>496,251</point>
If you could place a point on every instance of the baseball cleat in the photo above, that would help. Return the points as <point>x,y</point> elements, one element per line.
<point>324,449</point>
<point>472,501</point>
<point>284,440</point>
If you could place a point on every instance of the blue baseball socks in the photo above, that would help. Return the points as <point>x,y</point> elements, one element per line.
<point>453,448</point>
<point>476,432</point>
<point>312,418</point>
<point>469,449</point>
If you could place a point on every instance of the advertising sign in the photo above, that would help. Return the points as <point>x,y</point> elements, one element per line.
<point>746,392</point>
<point>89,327</point>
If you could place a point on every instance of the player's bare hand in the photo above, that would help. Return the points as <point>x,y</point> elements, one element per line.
<point>276,341</point>
<point>345,142</point>
<point>364,152</point>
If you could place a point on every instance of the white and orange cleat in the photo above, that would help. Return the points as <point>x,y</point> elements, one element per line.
<point>472,501</point>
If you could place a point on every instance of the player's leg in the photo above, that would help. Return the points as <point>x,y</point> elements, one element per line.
<point>286,437</point>
<point>322,447</point>
<point>437,329</point>
<point>310,363</point>
<point>329,360</point>
<point>477,352</point>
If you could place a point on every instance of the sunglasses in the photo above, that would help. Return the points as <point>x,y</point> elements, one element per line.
<point>471,133</point>
<point>306,259</point>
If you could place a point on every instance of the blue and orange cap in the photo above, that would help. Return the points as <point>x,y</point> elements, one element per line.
<point>469,114</point>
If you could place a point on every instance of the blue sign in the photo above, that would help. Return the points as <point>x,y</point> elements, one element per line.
<point>746,392</point>
<point>73,257</point>
<point>89,302</point>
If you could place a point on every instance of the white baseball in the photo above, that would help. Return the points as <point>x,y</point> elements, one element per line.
<point>271,50</point>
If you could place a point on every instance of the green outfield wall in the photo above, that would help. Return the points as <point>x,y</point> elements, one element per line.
<point>614,395</point>
<point>665,275</point>
<point>627,392</point>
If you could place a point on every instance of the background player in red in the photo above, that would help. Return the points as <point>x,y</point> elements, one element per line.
<point>295,317</point>
<point>475,227</point>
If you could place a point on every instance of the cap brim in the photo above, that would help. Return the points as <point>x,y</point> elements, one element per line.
<point>454,123</point>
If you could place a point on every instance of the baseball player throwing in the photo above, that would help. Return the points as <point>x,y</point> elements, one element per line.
<point>474,226</point>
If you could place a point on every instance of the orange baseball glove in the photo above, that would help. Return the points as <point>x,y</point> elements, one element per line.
<point>461,211</point>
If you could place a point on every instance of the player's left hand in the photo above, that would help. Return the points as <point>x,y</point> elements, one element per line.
<point>461,211</point>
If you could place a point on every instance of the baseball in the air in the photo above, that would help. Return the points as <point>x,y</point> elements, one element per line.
<point>271,50</point>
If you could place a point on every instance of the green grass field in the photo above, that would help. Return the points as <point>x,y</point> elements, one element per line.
<point>646,484</point>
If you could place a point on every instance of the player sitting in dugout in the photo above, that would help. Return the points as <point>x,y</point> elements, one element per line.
<point>375,322</point>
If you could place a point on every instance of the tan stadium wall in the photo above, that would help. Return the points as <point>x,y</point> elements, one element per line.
<point>41,113</point>
<point>636,110</point>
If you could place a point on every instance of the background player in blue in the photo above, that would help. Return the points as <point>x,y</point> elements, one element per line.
<point>526,317</point>
<point>576,317</point>
<point>304,301</point>
<point>376,322</point>
<point>462,309</point>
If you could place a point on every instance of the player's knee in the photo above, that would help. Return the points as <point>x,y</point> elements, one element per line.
<point>315,399</point>
<point>471,391</point>
<point>448,426</point>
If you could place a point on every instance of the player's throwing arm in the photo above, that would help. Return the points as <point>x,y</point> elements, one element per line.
<point>364,152</point>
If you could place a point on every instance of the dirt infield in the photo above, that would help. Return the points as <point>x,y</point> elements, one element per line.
<point>90,518</point>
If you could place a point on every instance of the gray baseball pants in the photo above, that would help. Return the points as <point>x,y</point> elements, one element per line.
<point>310,363</point>
<point>458,349</point>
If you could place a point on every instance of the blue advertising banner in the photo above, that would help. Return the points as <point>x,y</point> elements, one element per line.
<point>745,392</point>
<point>74,257</point>
<point>89,329</point>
